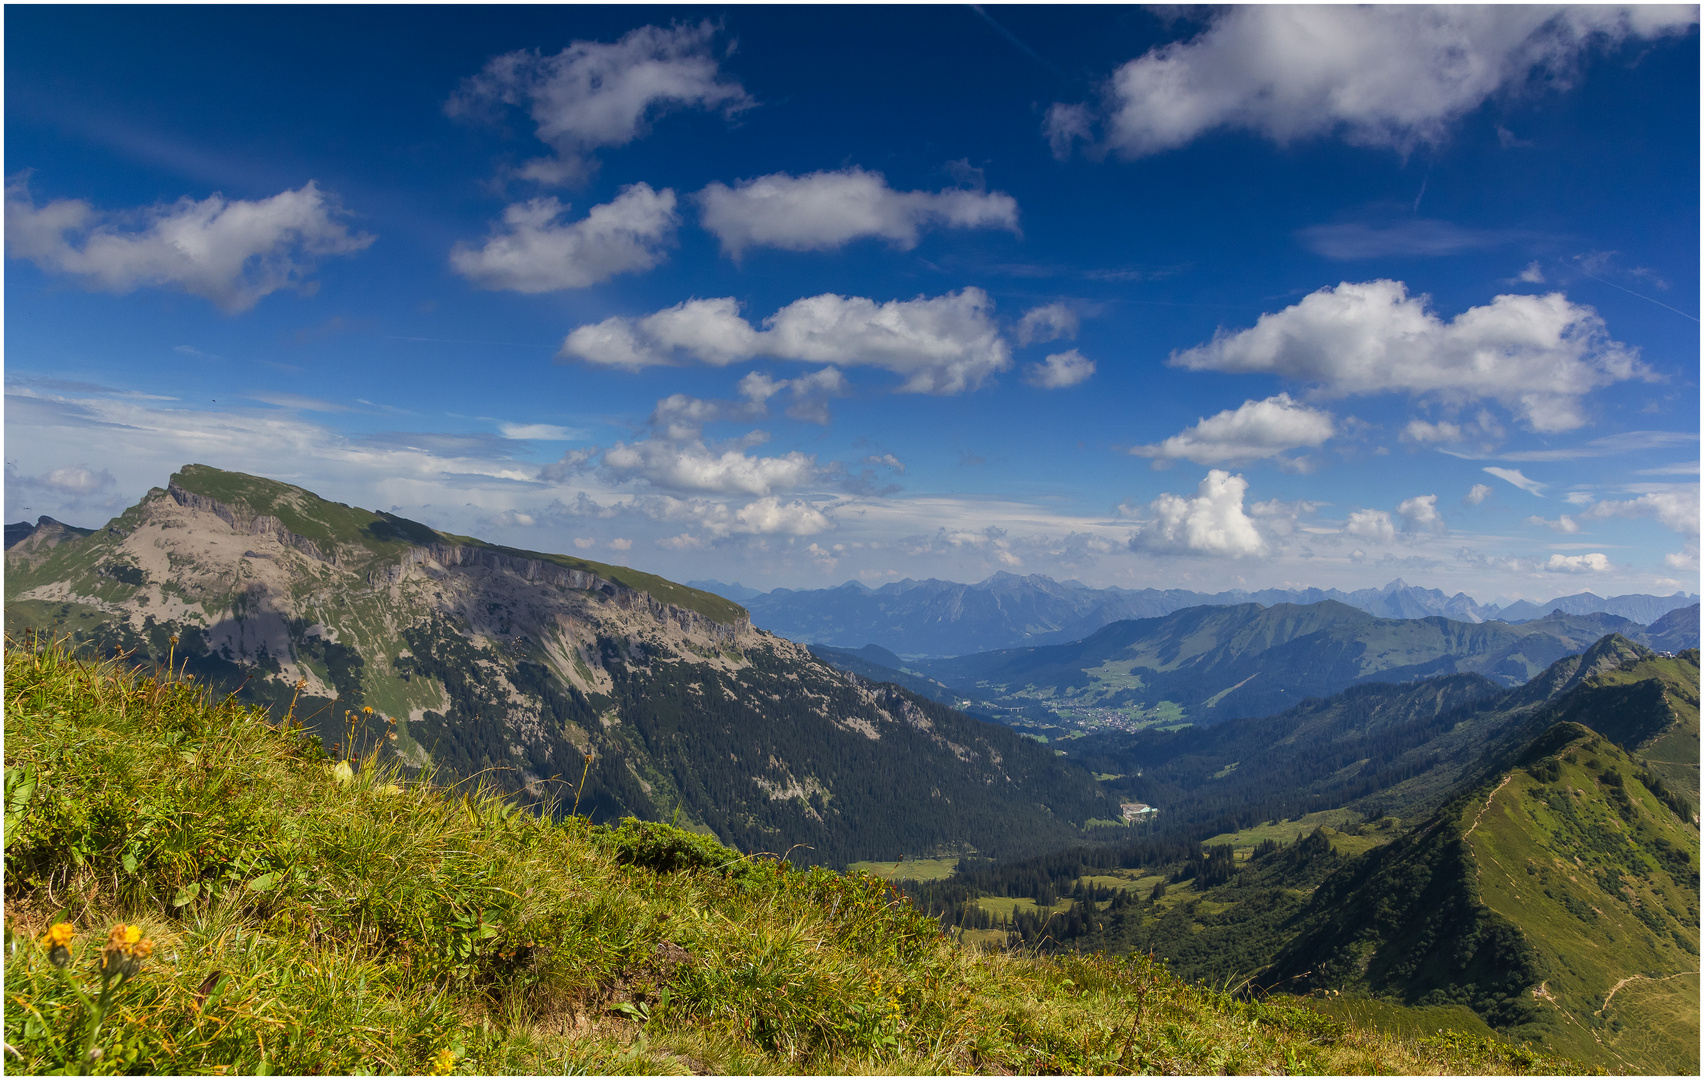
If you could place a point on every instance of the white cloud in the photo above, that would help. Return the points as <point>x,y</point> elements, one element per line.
<point>1676,509</point>
<point>693,467</point>
<point>1050,322</point>
<point>585,543</point>
<point>594,94</point>
<point>1388,76</point>
<point>1532,275</point>
<point>1596,562</point>
<point>1420,431</point>
<point>534,253</point>
<point>681,417</point>
<point>1423,432</point>
<point>1420,514</point>
<point>1374,525</point>
<point>1060,370</point>
<point>1562,524</point>
<point>771,515</point>
<point>539,432</point>
<point>230,251</point>
<point>1067,125</point>
<point>1517,478</point>
<point>940,345</point>
<point>1210,523</point>
<point>827,210</point>
<point>1252,431</point>
<point>74,480</point>
<point>711,330</point>
<point>1476,494</point>
<point>621,544</point>
<point>1537,355</point>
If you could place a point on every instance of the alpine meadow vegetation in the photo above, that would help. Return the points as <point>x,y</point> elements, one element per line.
<point>281,911</point>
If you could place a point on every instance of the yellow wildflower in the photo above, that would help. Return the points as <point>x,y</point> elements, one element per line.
<point>366,710</point>
<point>125,950</point>
<point>443,1062</point>
<point>57,941</point>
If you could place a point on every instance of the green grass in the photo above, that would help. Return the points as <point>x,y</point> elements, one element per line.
<point>1007,907</point>
<point>908,869</point>
<point>310,923</point>
<point>1287,832</point>
<point>1397,1019</point>
<point>1583,881</point>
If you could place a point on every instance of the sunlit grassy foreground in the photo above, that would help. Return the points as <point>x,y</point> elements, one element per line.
<point>305,920</point>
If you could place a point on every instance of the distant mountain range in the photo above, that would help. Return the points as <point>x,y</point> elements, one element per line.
<point>934,618</point>
<point>1208,664</point>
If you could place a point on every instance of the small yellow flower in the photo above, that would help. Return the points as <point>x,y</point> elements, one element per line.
<point>57,941</point>
<point>125,950</point>
<point>366,710</point>
<point>443,1062</point>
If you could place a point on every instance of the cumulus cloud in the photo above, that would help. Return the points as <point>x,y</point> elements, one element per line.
<point>230,251</point>
<point>1517,478</point>
<point>694,467</point>
<point>1050,322</point>
<point>1212,522</point>
<point>1060,370</point>
<point>1377,76</point>
<point>1374,525</point>
<point>1476,494</point>
<point>1252,431</point>
<point>1675,509</point>
<point>594,94</point>
<point>826,210</point>
<point>1536,355</point>
<point>1420,514</point>
<point>680,416</point>
<point>945,344</point>
<point>1594,563</point>
<point>1562,524</point>
<point>771,515</point>
<point>535,252</point>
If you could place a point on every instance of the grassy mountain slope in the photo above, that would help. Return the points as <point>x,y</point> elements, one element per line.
<point>1561,874</point>
<point>309,919</point>
<point>1217,663</point>
<point>1529,899</point>
<point>517,665</point>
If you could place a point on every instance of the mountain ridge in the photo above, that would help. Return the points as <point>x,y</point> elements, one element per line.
<point>932,618</point>
<point>483,659</point>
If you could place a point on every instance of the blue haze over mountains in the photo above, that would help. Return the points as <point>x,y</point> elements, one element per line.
<point>934,618</point>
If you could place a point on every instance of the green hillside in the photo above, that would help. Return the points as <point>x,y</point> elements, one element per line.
<point>301,917</point>
<point>1537,899</point>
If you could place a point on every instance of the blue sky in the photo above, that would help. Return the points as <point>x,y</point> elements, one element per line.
<point>793,296</point>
